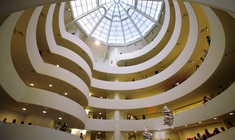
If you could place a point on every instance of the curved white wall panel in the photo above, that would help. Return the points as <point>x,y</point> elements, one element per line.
<point>44,68</point>
<point>8,72</point>
<point>169,71</point>
<point>12,83</point>
<point>29,132</point>
<point>156,59</point>
<point>72,38</point>
<point>18,90</point>
<point>191,116</point>
<point>207,68</point>
<point>228,135</point>
<point>156,40</point>
<point>62,73</point>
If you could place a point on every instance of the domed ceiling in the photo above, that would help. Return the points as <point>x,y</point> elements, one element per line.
<point>116,22</point>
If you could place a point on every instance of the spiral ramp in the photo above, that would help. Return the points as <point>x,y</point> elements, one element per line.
<point>46,68</point>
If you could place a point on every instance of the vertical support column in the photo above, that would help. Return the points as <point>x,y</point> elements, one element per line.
<point>117,132</point>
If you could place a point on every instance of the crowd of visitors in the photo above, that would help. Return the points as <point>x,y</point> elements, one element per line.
<point>132,117</point>
<point>58,126</point>
<point>208,134</point>
<point>14,121</point>
<point>61,127</point>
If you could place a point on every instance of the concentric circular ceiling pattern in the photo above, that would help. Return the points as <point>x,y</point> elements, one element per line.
<point>116,22</point>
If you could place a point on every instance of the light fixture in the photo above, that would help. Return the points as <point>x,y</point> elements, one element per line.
<point>199,122</point>
<point>97,42</point>
<point>24,108</point>
<point>31,84</point>
<point>60,118</point>
<point>87,111</point>
<point>57,65</point>
<point>231,113</point>
<point>215,118</point>
<point>65,93</point>
<point>83,132</point>
<point>50,85</point>
<point>44,111</point>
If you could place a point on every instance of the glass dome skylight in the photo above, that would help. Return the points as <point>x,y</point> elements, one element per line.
<point>116,22</point>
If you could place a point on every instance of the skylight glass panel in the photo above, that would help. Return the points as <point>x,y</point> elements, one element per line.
<point>116,31</point>
<point>80,7</point>
<point>124,4</point>
<point>116,21</point>
<point>101,2</point>
<point>123,13</point>
<point>150,8</point>
<point>130,31</point>
<point>110,11</point>
<point>102,30</point>
<point>89,21</point>
<point>142,22</point>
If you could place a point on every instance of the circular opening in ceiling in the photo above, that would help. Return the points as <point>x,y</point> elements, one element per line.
<point>116,22</point>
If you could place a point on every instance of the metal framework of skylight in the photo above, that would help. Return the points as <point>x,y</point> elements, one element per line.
<point>116,22</point>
